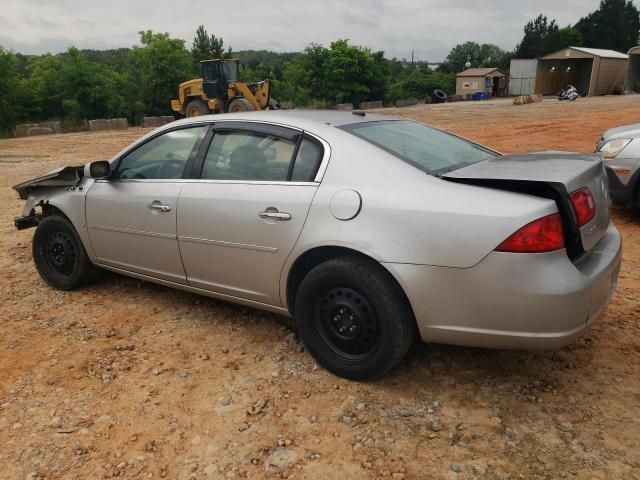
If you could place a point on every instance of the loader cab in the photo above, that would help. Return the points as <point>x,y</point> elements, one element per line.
<point>217,74</point>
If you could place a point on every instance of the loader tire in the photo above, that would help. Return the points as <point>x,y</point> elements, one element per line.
<point>273,104</point>
<point>240,105</point>
<point>196,108</point>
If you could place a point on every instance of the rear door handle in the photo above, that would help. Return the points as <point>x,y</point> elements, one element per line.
<point>274,214</point>
<point>157,206</point>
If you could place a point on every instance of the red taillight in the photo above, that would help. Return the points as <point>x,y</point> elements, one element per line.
<point>583,205</point>
<point>542,235</point>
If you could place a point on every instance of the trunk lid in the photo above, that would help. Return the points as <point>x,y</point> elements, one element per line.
<point>551,175</point>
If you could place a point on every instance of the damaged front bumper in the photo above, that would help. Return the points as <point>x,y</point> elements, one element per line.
<point>25,222</point>
<point>61,177</point>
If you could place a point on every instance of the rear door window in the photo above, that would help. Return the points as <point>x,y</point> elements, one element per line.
<point>307,162</point>
<point>248,156</point>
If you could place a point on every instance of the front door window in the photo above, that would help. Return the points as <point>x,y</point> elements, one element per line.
<point>163,157</point>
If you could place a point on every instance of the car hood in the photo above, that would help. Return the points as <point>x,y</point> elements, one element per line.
<point>631,130</point>
<point>60,177</point>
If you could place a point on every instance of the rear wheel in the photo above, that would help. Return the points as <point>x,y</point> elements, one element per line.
<point>196,108</point>
<point>59,255</point>
<point>353,318</point>
<point>240,105</point>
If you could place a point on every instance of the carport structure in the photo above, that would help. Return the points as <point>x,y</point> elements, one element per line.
<point>633,73</point>
<point>592,71</point>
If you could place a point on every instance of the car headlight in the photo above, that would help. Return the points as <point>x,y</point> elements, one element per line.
<point>612,148</point>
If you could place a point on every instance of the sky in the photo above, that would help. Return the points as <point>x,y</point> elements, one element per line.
<point>429,28</point>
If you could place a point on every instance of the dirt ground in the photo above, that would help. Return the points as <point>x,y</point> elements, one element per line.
<point>133,380</point>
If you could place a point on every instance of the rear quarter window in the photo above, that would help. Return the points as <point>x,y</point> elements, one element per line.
<point>427,148</point>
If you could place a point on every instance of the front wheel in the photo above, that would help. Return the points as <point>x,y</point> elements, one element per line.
<point>353,318</point>
<point>240,105</point>
<point>196,108</point>
<point>59,255</point>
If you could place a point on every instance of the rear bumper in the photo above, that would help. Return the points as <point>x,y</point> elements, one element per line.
<point>515,301</point>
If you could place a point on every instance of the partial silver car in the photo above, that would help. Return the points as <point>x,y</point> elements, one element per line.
<point>620,147</point>
<point>368,230</point>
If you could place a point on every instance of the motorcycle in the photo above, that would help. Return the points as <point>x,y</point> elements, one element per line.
<point>568,93</point>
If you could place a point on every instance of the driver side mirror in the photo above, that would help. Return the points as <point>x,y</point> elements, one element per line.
<point>97,169</point>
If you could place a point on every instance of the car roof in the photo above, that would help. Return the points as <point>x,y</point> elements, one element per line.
<point>301,118</point>
<point>317,122</point>
<point>336,118</point>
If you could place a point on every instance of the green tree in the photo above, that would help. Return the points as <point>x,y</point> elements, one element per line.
<point>8,89</point>
<point>69,85</point>
<point>614,25</point>
<point>536,32</point>
<point>485,55</point>
<point>542,36</point>
<point>380,77</point>
<point>565,37</point>
<point>162,63</point>
<point>420,83</point>
<point>295,86</point>
<point>341,73</point>
<point>348,73</point>
<point>207,46</point>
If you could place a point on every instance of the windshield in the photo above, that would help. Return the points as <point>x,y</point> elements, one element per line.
<point>210,71</point>
<point>230,70</point>
<point>427,148</point>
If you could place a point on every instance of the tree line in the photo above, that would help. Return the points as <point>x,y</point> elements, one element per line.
<point>132,82</point>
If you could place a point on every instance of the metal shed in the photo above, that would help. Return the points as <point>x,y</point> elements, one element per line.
<point>522,77</point>
<point>633,73</point>
<point>489,80</point>
<point>592,71</point>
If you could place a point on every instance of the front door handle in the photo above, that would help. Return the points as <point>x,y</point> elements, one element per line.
<point>157,206</point>
<point>274,214</point>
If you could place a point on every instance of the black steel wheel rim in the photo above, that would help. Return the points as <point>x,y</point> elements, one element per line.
<point>346,323</point>
<point>60,253</point>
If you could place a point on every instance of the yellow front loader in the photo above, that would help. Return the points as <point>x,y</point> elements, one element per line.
<point>219,90</point>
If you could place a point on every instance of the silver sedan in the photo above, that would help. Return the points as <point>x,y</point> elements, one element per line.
<point>621,149</point>
<point>368,230</point>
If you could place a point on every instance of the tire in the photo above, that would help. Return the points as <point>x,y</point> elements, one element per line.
<point>353,318</point>
<point>196,108</point>
<point>59,255</point>
<point>240,105</point>
<point>438,96</point>
<point>273,104</point>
